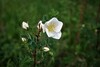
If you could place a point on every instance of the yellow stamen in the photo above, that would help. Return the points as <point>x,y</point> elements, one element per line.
<point>51,27</point>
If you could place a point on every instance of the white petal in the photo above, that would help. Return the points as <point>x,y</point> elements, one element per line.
<point>51,20</point>
<point>43,28</point>
<point>49,34</point>
<point>58,26</point>
<point>57,35</point>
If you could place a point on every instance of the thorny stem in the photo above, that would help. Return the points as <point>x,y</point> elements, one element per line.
<point>35,51</point>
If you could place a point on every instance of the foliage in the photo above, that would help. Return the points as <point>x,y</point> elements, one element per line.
<point>72,50</point>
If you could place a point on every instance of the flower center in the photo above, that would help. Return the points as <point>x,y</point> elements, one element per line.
<point>51,27</point>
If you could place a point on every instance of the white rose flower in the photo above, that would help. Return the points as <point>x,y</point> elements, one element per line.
<point>25,25</point>
<point>52,28</point>
<point>46,49</point>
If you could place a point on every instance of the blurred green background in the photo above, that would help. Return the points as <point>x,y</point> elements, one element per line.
<point>79,45</point>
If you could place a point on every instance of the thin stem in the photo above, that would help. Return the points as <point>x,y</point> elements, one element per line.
<point>35,51</point>
<point>34,58</point>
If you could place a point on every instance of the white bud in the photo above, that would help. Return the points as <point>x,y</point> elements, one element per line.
<point>96,30</point>
<point>25,25</point>
<point>23,39</point>
<point>39,26</point>
<point>46,49</point>
<point>83,25</point>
